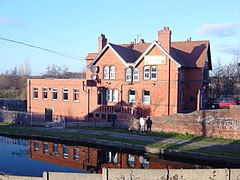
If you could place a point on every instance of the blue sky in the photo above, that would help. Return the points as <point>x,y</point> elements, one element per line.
<point>72,27</point>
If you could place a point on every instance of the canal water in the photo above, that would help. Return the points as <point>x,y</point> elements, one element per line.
<point>31,157</point>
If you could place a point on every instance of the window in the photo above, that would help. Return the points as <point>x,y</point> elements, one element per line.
<point>36,146</point>
<point>146,72</point>
<point>109,95</point>
<point>131,96</point>
<point>135,75</point>
<point>75,94</point>
<point>106,72</point>
<point>112,157</point>
<point>130,160</point>
<point>150,72</point>
<point>146,97</point>
<point>54,94</point>
<point>109,72</point>
<point>65,94</point>
<point>112,95</point>
<point>76,153</point>
<point>115,95</point>
<point>45,93</point>
<point>112,72</point>
<point>45,147</point>
<point>128,74</point>
<point>65,152</point>
<point>55,149</point>
<point>35,93</point>
<point>153,72</point>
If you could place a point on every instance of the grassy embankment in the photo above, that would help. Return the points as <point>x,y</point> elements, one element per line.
<point>78,137</point>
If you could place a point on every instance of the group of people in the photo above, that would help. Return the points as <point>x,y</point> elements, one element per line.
<point>142,124</point>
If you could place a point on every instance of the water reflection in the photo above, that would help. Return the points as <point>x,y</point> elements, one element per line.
<point>93,159</point>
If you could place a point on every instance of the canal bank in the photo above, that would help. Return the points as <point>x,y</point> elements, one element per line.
<point>225,153</point>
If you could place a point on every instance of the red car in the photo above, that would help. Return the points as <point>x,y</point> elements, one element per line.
<point>223,103</point>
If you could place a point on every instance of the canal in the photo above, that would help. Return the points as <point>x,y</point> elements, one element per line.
<point>31,157</point>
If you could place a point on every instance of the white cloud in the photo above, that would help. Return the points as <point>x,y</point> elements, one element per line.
<point>228,49</point>
<point>5,20</point>
<point>220,29</point>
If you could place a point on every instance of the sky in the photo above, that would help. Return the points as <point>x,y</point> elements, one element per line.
<point>71,28</point>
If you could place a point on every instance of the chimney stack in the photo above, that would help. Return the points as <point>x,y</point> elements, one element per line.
<point>164,38</point>
<point>102,41</point>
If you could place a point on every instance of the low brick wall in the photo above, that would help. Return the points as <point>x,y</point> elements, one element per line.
<point>145,174</point>
<point>224,123</point>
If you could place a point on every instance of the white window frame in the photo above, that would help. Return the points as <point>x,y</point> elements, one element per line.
<point>76,154</point>
<point>55,149</point>
<point>65,94</point>
<point>54,91</point>
<point>75,94</point>
<point>65,152</point>
<point>115,95</point>
<point>45,92</point>
<point>106,72</point>
<point>112,72</point>
<point>109,95</point>
<point>36,146</point>
<point>135,74</point>
<point>128,74</point>
<point>45,148</point>
<point>35,93</point>
<point>153,72</point>
<point>146,99</point>
<point>131,97</point>
<point>146,72</point>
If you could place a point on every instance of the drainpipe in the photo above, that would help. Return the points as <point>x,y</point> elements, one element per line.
<point>169,87</point>
<point>29,96</point>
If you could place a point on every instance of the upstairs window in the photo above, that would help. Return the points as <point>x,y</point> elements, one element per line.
<point>45,93</point>
<point>65,94</point>
<point>35,93</point>
<point>128,74</point>
<point>54,94</point>
<point>106,72</point>
<point>146,72</point>
<point>146,97</point>
<point>76,154</point>
<point>75,94</point>
<point>36,146</point>
<point>135,75</point>
<point>150,72</point>
<point>45,147</point>
<point>112,72</point>
<point>153,72</point>
<point>131,96</point>
<point>65,152</point>
<point>55,149</point>
<point>109,72</point>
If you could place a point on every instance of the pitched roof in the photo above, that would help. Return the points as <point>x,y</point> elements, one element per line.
<point>190,54</point>
<point>91,56</point>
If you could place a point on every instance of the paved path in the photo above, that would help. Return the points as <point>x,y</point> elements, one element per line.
<point>233,148</point>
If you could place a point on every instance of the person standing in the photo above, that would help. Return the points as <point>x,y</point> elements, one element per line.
<point>142,124</point>
<point>149,124</point>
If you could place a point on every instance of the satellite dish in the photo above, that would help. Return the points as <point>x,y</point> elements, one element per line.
<point>94,77</point>
<point>94,69</point>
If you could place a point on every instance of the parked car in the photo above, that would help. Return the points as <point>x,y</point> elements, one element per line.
<point>223,103</point>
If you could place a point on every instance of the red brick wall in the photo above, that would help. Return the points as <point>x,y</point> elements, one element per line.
<point>211,123</point>
<point>67,108</point>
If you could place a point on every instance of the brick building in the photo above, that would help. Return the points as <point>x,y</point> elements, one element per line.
<point>152,79</point>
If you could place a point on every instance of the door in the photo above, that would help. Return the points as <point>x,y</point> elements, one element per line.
<point>48,114</point>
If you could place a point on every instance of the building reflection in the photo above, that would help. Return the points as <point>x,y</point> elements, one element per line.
<point>94,159</point>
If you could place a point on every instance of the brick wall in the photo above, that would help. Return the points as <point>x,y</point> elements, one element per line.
<point>210,123</point>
